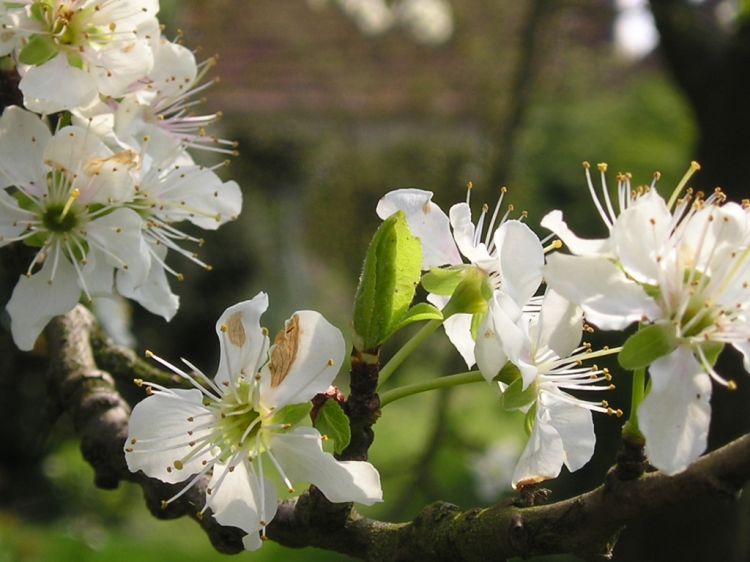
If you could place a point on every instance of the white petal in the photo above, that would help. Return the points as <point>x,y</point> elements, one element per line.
<point>119,236</point>
<point>300,453</point>
<point>195,194</point>
<point>56,86</point>
<point>639,236</point>
<point>160,425</point>
<point>675,415</point>
<point>574,426</point>
<point>499,338</point>
<point>154,293</point>
<point>98,275</point>
<point>521,259</point>
<point>464,232</point>
<point>35,301</point>
<point>23,137</point>
<point>457,328</point>
<point>11,218</point>
<point>609,299</point>
<point>543,456</point>
<point>242,341</point>
<point>579,246</point>
<point>236,500</point>
<point>560,324</point>
<point>305,358</point>
<point>174,70</point>
<point>426,221</point>
<point>114,69</point>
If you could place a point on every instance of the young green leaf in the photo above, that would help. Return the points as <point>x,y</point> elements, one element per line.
<point>646,345</point>
<point>333,422</point>
<point>388,282</point>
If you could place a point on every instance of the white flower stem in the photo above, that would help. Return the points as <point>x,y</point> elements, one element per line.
<point>401,355</point>
<point>434,384</point>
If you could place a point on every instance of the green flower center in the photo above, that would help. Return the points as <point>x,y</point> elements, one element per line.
<point>59,220</point>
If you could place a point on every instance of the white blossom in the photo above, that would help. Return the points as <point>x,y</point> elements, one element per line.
<point>682,265</point>
<point>62,196</point>
<point>70,51</point>
<point>508,253</point>
<point>245,423</point>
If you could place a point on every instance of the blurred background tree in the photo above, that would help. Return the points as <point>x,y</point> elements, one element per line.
<point>331,112</point>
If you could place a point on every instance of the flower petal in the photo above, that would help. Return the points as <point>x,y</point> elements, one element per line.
<point>300,453</point>
<point>499,338</point>
<point>573,424</point>
<point>464,232</point>
<point>23,137</point>
<point>609,299</point>
<point>543,456</point>
<point>242,341</point>
<point>305,358</point>
<point>56,86</point>
<point>426,221</point>
<point>153,293</point>
<point>237,499</point>
<point>36,300</point>
<point>639,235</point>
<point>521,258</point>
<point>560,324</point>
<point>160,433</point>
<point>675,415</point>
<point>118,235</point>
<point>579,246</point>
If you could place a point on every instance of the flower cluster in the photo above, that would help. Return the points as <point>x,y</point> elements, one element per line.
<point>99,194</point>
<point>247,422</point>
<point>529,345</point>
<point>680,268</point>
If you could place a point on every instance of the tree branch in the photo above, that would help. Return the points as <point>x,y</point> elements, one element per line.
<point>586,525</point>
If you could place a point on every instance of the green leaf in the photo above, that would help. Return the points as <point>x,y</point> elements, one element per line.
<point>646,345</point>
<point>420,312</point>
<point>443,280</point>
<point>292,414</point>
<point>388,282</point>
<point>334,423</point>
<point>38,50</point>
<point>516,398</point>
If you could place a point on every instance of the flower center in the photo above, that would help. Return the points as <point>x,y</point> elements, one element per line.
<point>59,218</point>
<point>239,422</point>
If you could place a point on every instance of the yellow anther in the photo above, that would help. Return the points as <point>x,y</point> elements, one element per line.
<point>602,166</point>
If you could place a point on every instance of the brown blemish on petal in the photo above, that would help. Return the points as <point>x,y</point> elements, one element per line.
<point>126,158</point>
<point>236,330</point>
<point>284,351</point>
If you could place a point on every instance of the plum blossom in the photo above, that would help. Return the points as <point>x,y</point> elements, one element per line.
<point>160,107</point>
<point>62,196</point>
<point>70,51</point>
<point>246,422</point>
<point>509,254</point>
<point>546,348</point>
<point>681,265</point>
<point>169,193</point>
